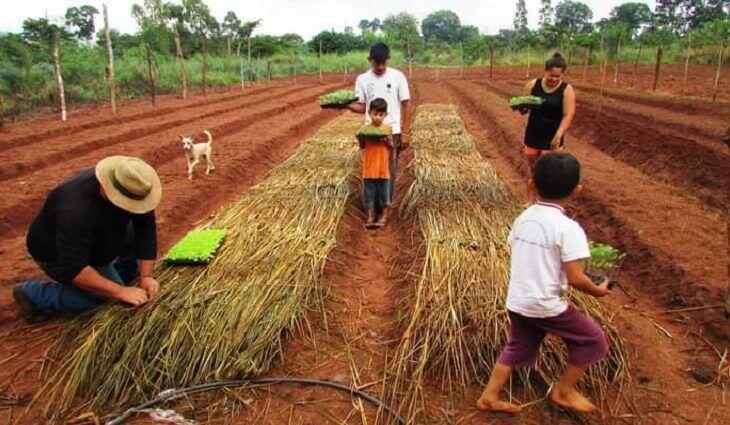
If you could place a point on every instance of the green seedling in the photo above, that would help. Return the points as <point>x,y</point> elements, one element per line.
<point>372,132</point>
<point>525,101</point>
<point>197,247</point>
<point>339,97</point>
<point>604,259</point>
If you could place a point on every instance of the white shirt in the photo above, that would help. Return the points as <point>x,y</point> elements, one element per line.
<point>391,86</point>
<point>541,240</point>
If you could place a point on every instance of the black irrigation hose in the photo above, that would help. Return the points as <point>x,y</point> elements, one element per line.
<point>173,393</point>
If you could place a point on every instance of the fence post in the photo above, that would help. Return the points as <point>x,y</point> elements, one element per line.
<point>719,69</point>
<point>491,62</point>
<point>636,65</point>
<point>659,52</point>
<point>529,60</point>
<point>410,62</point>
<point>110,65</point>
<point>2,106</point>
<point>686,62</point>
<point>618,61</point>
<point>463,61</point>
<point>321,79</point>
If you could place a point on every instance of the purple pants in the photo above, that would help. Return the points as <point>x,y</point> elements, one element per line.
<point>585,339</point>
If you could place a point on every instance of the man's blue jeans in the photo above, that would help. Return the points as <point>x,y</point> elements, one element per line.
<point>55,297</point>
<point>65,297</point>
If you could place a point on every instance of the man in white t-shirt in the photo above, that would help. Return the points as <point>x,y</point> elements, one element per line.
<point>390,84</point>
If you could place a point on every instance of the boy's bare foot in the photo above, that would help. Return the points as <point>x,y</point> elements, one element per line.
<point>381,223</point>
<point>573,400</point>
<point>497,406</point>
<point>370,224</point>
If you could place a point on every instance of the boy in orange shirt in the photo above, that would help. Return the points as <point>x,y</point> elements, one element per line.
<point>375,166</point>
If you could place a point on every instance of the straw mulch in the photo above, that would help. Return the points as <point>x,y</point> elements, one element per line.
<point>228,319</point>
<point>456,323</point>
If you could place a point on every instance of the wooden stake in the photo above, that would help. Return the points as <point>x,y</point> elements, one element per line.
<point>463,63</point>
<point>659,52</point>
<point>240,64</point>
<point>205,65</point>
<point>321,79</point>
<point>636,65</point>
<point>686,62</point>
<point>110,61</point>
<point>618,61</point>
<point>586,63</point>
<point>2,105</point>
<point>250,70</point>
<point>410,62</point>
<point>719,69</point>
<point>228,54</point>
<point>59,78</point>
<point>181,61</point>
<point>150,73</point>
<point>529,61</point>
<point>491,62</point>
<point>604,67</point>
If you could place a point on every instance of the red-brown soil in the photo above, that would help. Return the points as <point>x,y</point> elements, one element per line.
<point>664,216</point>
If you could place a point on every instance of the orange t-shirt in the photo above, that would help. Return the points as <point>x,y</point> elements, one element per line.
<point>376,157</point>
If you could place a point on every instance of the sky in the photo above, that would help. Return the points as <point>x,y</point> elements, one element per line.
<point>307,17</point>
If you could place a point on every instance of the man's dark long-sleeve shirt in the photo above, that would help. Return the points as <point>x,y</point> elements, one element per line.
<point>77,227</point>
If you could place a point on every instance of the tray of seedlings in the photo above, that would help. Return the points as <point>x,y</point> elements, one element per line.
<point>197,247</point>
<point>337,99</point>
<point>526,102</point>
<point>372,134</point>
<point>603,263</point>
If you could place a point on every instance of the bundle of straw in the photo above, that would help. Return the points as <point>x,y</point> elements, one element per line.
<point>457,323</point>
<point>225,320</point>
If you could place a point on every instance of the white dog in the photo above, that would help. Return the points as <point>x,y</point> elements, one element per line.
<point>195,151</point>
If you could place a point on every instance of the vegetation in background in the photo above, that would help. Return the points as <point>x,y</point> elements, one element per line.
<point>180,44</point>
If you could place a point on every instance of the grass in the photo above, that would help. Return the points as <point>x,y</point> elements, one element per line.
<point>226,320</point>
<point>456,324</point>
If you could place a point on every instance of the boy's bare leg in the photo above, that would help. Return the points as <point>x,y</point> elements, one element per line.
<point>565,395</point>
<point>370,218</point>
<point>384,217</point>
<point>489,400</point>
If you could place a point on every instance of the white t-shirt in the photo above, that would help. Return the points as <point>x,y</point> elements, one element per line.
<point>541,240</point>
<point>391,86</point>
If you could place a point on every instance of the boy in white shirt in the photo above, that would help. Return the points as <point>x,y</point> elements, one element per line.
<point>389,84</point>
<point>547,251</point>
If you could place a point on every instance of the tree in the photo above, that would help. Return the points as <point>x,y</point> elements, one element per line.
<point>244,34</point>
<point>42,32</point>
<point>443,25</point>
<point>110,59</point>
<point>203,25</point>
<point>401,31</point>
<point>715,32</point>
<point>150,18</point>
<point>335,42</point>
<point>467,32</point>
<point>230,27</point>
<point>633,15</point>
<point>364,25</point>
<point>520,21</point>
<point>573,17</point>
<point>376,25</point>
<point>175,17</point>
<point>546,13</point>
<point>82,19</point>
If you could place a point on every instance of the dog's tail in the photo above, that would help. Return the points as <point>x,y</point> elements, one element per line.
<point>210,136</point>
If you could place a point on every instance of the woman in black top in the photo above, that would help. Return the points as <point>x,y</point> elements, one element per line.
<point>548,124</point>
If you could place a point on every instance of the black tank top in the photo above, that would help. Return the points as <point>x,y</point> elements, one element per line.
<point>545,120</point>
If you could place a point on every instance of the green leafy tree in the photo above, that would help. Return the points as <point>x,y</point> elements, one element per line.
<point>401,31</point>
<point>520,21</point>
<point>443,25</point>
<point>376,25</point>
<point>545,14</point>
<point>46,34</point>
<point>151,18</point>
<point>633,15</point>
<point>204,26</point>
<point>467,32</point>
<point>230,27</point>
<point>364,25</point>
<point>336,42</point>
<point>82,20</point>
<point>573,17</point>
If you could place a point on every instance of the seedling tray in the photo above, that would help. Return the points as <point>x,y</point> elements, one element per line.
<point>338,99</point>
<point>197,247</point>
<point>526,102</point>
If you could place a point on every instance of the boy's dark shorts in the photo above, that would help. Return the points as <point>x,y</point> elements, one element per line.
<point>375,194</point>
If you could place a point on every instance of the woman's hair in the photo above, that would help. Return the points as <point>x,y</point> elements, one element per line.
<point>556,61</point>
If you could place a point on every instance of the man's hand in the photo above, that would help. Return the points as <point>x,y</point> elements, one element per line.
<point>150,285</point>
<point>133,296</point>
<point>405,141</point>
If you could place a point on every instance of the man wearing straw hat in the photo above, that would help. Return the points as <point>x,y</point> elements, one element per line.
<point>94,235</point>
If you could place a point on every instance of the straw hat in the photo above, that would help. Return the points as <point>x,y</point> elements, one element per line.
<point>130,183</point>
